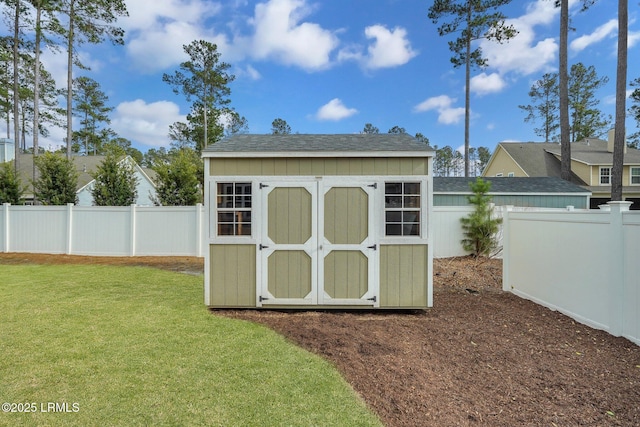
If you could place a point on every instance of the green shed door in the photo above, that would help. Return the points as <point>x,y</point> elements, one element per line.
<point>317,245</point>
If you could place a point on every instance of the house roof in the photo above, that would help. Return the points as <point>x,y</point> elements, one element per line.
<point>85,166</point>
<point>310,144</point>
<point>517,185</point>
<point>593,151</point>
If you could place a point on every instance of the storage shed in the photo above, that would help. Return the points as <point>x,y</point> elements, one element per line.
<point>318,221</point>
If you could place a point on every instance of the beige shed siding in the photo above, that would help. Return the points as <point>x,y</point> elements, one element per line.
<point>232,275</point>
<point>289,215</point>
<point>346,274</point>
<point>403,276</point>
<point>289,274</point>
<point>318,166</point>
<point>346,215</point>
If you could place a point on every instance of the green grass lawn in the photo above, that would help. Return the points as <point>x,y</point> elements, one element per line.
<point>136,346</point>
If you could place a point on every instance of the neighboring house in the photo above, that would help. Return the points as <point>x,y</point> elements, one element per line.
<point>591,164</point>
<point>86,166</point>
<point>542,192</point>
<point>7,150</point>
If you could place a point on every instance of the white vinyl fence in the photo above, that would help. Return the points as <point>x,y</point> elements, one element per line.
<point>584,264</point>
<point>156,230</point>
<point>104,231</point>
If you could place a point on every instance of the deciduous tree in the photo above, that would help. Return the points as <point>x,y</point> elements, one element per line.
<point>470,20</point>
<point>634,110</point>
<point>177,181</point>
<point>57,181</point>
<point>11,190</point>
<point>115,182</point>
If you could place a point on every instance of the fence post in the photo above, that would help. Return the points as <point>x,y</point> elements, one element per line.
<point>505,247</point>
<point>5,243</point>
<point>617,282</point>
<point>69,227</point>
<point>199,229</point>
<point>132,242</point>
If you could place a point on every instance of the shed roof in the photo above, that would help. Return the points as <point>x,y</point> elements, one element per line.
<point>517,185</point>
<point>318,144</point>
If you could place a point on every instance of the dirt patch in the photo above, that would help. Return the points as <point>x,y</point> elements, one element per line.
<point>479,357</point>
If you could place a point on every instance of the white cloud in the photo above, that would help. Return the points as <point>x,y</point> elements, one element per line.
<point>483,84</point>
<point>156,31</point>
<point>632,38</point>
<point>280,35</point>
<point>147,124</point>
<point>603,31</point>
<point>523,54</point>
<point>249,72</point>
<point>335,110</point>
<point>390,48</point>
<point>443,105</point>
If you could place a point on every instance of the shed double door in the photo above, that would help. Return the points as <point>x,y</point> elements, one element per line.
<point>318,243</point>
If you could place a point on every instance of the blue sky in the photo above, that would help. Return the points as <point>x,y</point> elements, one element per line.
<point>331,66</point>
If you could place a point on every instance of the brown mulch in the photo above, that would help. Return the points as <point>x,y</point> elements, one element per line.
<point>479,357</point>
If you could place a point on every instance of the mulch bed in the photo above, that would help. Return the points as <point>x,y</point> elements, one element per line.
<point>479,357</point>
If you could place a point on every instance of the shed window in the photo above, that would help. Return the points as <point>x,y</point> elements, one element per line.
<point>605,176</point>
<point>635,176</point>
<point>234,208</point>
<point>402,208</point>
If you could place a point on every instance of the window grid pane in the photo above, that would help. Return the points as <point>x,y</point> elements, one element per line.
<point>605,175</point>
<point>402,208</point>
<point>234,208</point>
<point>635,175</point>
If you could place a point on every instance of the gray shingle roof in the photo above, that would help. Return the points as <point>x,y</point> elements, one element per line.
<point>507,185</point>
<point>593,151</point>
<point>309,143</point>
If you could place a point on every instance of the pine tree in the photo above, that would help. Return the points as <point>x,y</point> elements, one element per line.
<point>479,228</point>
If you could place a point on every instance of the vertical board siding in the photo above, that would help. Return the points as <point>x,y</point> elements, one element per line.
<point>318,166</point>
<point>289,274</point>
<point>346,274</point>
<point>289,215</point>
<point>403,276</point>
<point>346,213</point>
<point>233,275</point>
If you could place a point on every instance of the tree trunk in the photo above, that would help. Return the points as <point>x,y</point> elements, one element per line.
<point>467,96</point>
<point>36,92</point>
<point>621,87</point>
<point>16,87</point>
<point>70,77</point>
<point>565,145</point>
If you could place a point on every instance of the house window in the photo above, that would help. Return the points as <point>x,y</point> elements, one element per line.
<point>605,176</point>
<point>402,208</point>
<point>511,174</point>
<point>234,208</point>
<point>635,176</point>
